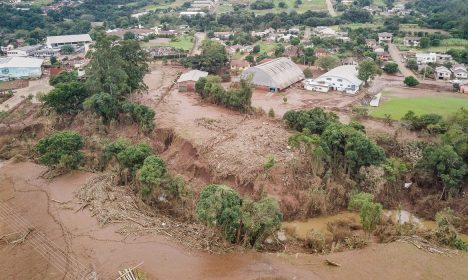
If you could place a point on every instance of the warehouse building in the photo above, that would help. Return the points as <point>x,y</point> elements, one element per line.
<point>342,78</point>
<point>74,40</point>
<point>274,75</point>
<point>20,67</point>
<point>187,81</point>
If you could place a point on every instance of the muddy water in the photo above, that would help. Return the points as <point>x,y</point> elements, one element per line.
<point>301,228</point>
<point>101,248</point>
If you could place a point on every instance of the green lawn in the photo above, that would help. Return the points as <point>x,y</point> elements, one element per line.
<point>266,46</point>
<point>184,42</point>
<point>161,4</point>
<point>397,107</point>
<point>312,5</point>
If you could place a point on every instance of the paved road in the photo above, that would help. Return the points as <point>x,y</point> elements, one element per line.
<point>35,86</point>
<point>199,37</point>
<point>396,56</point>
<point>330,8</point>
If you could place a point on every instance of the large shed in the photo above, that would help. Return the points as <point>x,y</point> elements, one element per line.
<point>274,75</point>
<point>20,67</point>
<point>186,81</point>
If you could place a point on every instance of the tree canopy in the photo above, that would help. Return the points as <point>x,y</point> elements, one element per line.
<point>61,150</point>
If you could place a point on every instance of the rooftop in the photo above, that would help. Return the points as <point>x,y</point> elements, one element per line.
<point>69,38</point>
<point>20,62</point>
<point>348,72</point>
<point>193,75</point>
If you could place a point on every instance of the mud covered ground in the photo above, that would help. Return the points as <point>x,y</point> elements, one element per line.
<point>78,238</point>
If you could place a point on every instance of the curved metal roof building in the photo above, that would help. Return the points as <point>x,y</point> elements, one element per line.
<point>276,74</point>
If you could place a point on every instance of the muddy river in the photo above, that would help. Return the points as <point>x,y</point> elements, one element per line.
<point>76,235</point>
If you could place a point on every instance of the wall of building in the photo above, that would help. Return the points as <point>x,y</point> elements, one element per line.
<point>16,73</point>
<point>339,84</point>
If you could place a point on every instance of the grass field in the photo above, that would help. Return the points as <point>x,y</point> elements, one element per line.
<point>312,5</point>
<point>184,42</point>
<point>397,107</point>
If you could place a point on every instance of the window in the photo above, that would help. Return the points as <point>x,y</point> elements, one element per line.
<point>340,80</point>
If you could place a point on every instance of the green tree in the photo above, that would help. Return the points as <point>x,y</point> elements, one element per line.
<point>67,49</point>
<point>136,64</point>
<point>315,120</point>
<point>259,220</point>
<point>367,70</point>
<point>129,36</point>
<point>444,165</point>
<point>151,174</point>
<point>410,81</point>
<point>358,200</point>
<point>113,149</point>
<point>425,42</point>
<point>328,62</point>
<point>141,114</point>
<point>220,206</point>
<point>250,58</point>
<point>256,49</point>
<point>307,73</point>
<point>212,58</point>
<point>104,105</point>
<point>63,77</point>
<point>370,215</point>
<point>66,98</point>
<point>134,156</point>
<point>279,50</point>
<point>295,41</point>
<point>412,64</point>
<point>61,150</point>
<point>391,68</point>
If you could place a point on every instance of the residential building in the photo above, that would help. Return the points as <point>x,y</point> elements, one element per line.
<point>292,51</point>
<point>320,52</point>
<point>24,51</point>
<point>384,56</point>
<point>442,58</point>
<point>412,41</point>
<point>385,37</point>
<point>342,78</point>
<point>459,71</point>
<point>349,61</point>
<point>274,75</point>
<point>425,58</point>
<point>187,81</point>
<point>20,67</point>
<point>371,43</point>
<point>320,86</point>
<point>192,13</point>
<point>239,48</point>
<point>203,4</point>
<point>239,65</point>
<point>223,35</point>
<point>139,33</point>
<point>6,48</point>
<point>442,73</point>
<point>59,41</point>
<point>379,49</point>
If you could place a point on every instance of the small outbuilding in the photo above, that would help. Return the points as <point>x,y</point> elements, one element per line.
<point>186,81</point>
<point>274,75</point>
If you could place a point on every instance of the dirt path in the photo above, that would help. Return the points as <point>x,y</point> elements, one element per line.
<point>330,8</point>
<point>35,87</point>
<point>103,250</point>
<point>199,37</point>
<point>398,59</point>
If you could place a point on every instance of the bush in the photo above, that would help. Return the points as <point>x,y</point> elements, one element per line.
<point>141,114</point>
<point>66,98</point>
<point>104,105</point>
<point>307,73</point>
<point>315,241</point>
<point>151,174</point>
<point>391,68</point>
<point>61,150</point>
<point>269,162</point>
<point>357,201</point>
<point>411,81</point>
<point>259,220</point>
<point>271,113</point>
<point>316,120</point>
<point>370,215</point>
<point>134,156</point>
<point>63,77</point>
<point>113,149</point>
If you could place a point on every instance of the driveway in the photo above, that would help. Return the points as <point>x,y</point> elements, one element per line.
<point>398,59</point>
<point>35,87</point>
<point>330,8</point>
<point>199,37</point>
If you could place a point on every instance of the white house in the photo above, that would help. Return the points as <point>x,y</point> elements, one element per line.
<point>24,51</point>
<point>442,73</point>
<point>459,71</point>
<point>425,58</point>
<point>342,78</point>
<point>442,58</point>
<point>74,40</point>
<point>385,37</point>
<point>412,41</point>
<point>310,84</point>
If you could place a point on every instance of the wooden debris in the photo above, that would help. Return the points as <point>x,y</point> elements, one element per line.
<point>329,262</point>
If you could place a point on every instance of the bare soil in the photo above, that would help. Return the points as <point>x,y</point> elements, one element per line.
<point>78,235</point>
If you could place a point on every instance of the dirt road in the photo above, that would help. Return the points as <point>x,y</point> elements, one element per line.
<point>398,59</point>
<point>35,87</point>
<point>100,248</point>
<point>199,37</point>
<point>330,8</point>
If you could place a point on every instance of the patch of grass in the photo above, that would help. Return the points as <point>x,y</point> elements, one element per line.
<point>307,5</point>
<point>266,46</point>
<point>164,4</point>
<point>397,107</point>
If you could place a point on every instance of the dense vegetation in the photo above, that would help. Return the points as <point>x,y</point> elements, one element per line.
<point>61,150</point>
<point>241,220</point>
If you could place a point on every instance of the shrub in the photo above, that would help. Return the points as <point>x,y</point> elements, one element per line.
<point>134,156</point>
<point>104,105</point>
<point>391,68</point>
<point>357,201</point>
<point>63,77</point>
<point>113,149</point>
<point>61,150</point>
<point>141,114</point>
<point>269,162</point>
<point>446,233</point>
<point>66,98</point>
<point>316,120</point>
<point>307,73</point>
<point>259,220</point>
<point>410,81</point>
<point>370,215</point>
<point>315,241</point>
<point>271,113</point>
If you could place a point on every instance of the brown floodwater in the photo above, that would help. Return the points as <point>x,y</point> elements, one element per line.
<point>105,251</point>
